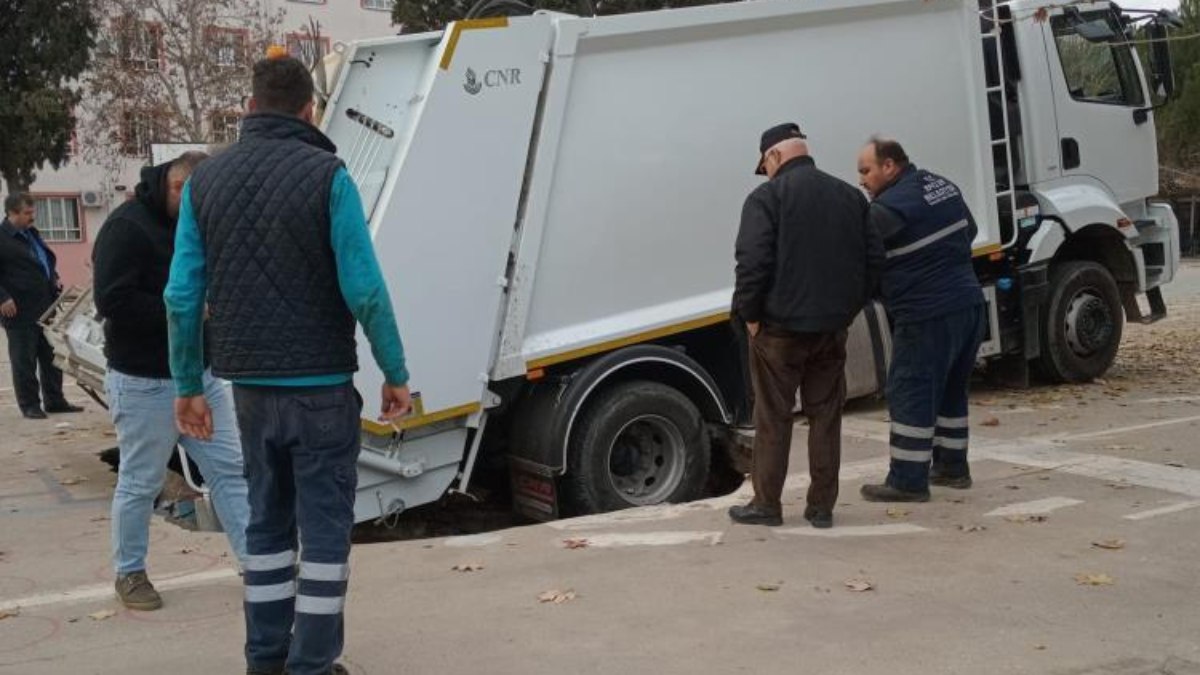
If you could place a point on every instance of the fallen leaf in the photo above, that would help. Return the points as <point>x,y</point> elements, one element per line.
<point>1013,487</point>
<point>769,588</point>
<point>859,585</point>
<point>1027,518</point>
<point>557,597</point>
<point>63,425</point>
<point>73,619</point>
<point>185,551</point>
<point>98,519</point>
<point>102,615</point>
<point>897,512</point>
<point>957,500</point>
<point>971,528</point>
<point>992,421</point>
<point>467,567</point>
<point>1119,486</point>
<point>1040,648</point>
<point>69,481</point>
<point>575,543</point>
<point>1177,465</point>
<point>10,613</point>
<point>32,470</point>
<point>1043,477</point>
<point>1109,544</point>
<point>1094,579</point>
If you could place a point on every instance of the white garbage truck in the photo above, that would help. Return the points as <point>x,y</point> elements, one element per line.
<point>555,198</point>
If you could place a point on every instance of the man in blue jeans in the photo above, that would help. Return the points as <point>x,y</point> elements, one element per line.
<point>936,306</point>
<point>272,232</point>
<point>130,261</point>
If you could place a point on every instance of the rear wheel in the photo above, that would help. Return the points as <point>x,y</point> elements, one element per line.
<point>1082,323</point>
<point>635,444</point>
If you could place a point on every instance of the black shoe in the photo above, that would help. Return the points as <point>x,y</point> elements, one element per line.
<point>887,493</point>
<point>957,482</point>
<point>33,413</point>
<point>751,514</point>
<point>63,407</point>
<point>266,671</point>
<point>818,518</point>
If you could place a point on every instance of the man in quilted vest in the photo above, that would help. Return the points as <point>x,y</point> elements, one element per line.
<point>272,234</point>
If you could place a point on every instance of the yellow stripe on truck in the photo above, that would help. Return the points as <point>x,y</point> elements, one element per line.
<point>403,423</point>
<point>634,339</point>
<point>469,24</point>
<point>986,250</point>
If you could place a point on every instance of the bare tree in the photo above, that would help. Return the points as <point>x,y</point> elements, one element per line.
<point>170,71</point>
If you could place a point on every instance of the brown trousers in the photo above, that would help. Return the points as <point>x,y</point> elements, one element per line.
<point>780,363</point>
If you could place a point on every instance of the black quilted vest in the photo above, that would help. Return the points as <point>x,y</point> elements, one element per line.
<point>262,208</point>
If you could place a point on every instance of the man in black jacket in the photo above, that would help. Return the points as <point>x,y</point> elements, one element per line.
<point>806,261</point>
<point>28,287</point>
<point>131,261</point>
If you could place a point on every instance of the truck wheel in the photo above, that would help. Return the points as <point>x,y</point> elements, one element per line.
<point>1081,325</point>
<point>636,443</point>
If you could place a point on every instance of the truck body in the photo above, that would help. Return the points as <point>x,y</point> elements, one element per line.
<point>554,200</point>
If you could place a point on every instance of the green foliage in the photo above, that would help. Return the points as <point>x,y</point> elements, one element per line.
<point>44,47</point>
<point>1179,122</point>
<point>415,16</point>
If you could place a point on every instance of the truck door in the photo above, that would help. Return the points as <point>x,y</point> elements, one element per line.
<point>1098,85</point>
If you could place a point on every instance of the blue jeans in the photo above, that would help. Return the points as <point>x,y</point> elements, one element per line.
<point>143,410</point>
<point>301,446</point>
<point>927,396</point>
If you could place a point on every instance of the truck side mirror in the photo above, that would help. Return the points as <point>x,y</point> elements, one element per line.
<point>1162,75</point>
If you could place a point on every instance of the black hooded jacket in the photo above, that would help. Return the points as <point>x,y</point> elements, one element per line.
<point>131,261</point>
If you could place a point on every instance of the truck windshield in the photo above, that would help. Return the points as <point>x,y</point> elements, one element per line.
<point>1097,72</point>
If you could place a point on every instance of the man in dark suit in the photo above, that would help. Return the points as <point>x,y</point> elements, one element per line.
<point>28,286</point>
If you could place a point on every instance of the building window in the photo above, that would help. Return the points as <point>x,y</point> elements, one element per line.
<point>227,46</point>
<point>223,126</point>
<point>306,48</point>
<point>381,5</point>
<point>140,44</point>
<point>138,130</point>
<point>58,218</point>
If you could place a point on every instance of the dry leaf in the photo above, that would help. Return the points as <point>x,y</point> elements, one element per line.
<point>102,615</point>
<point>897,512</point>
<point>991,421</point>
<point>1013,487</point>
<point>1109,544</point>
<point>1119,486</point>
<point>1027,518</point>
<point>1094,579</point>
<point>467,567</point>
<point>769,588</point>
<point>10,613</point>
<point>859,585</point>
<point>1040,648</point>
<point>186,551</point>
<point>971,528</point>
<point>1177,465</point>
<point>557,597</point>
<point>98,519</point>
<point>69,481</point>
<point>575,543</point>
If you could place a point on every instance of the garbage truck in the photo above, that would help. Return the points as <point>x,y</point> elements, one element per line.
<point>554,200</point>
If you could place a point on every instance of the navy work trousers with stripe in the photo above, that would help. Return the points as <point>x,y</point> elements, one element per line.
<point>301,446</point>
<point>927,396</point>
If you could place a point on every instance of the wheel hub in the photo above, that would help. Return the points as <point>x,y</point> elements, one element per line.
<point>1089,323</point>
<point>646,460</point>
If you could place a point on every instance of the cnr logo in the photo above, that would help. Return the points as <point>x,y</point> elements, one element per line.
<point>503,77</point>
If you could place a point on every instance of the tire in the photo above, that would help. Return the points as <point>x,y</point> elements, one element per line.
<point>635,444</point>
<point>1081,324</point>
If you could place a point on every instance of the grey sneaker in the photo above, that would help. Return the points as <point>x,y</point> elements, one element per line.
<point>136,592</point>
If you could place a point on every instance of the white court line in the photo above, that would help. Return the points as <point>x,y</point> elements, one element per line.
<point>1035,507</point>
<point>1043,453</point>
<point>1123,430</point>
<point>850,472</point>
<point>1152,513</point>
<point>623,539</point>
<point>84,594</point>
<point>474,540</point>
<point>855,530</point>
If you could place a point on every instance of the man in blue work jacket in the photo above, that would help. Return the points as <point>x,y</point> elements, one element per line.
<point>273,236</point>
<point>937,312</point>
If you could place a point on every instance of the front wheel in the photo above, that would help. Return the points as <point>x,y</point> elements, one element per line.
<point>636,444</point>
<point>1081,325</point>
